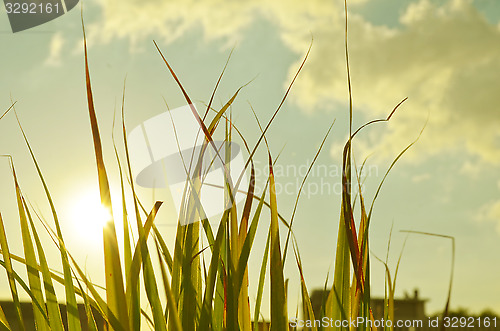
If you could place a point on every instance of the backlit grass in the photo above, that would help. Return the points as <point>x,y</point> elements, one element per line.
<point>184,291</point>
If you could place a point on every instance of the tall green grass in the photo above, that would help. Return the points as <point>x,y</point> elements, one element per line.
<point>189,293</point>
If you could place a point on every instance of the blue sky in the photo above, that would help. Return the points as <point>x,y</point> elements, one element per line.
<point>443,55</point>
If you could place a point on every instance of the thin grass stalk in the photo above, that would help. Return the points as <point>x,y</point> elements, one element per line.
<point>7,263</point>
<point>53,311</point>
<point>115,291</point>
<point>30,256</point>
<point>279,319</point>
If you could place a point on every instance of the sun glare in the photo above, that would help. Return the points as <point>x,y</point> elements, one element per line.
<point>89,216</point>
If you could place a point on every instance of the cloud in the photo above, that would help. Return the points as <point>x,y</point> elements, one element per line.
<point>55,48</point>
<point>169,20</point>
<point>444,58</point>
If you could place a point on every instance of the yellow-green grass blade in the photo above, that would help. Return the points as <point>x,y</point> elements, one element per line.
<point>186,271</point>
<point>127,250</point>
<point>190,281</point>
<point>8,109</point>
<point>10,274</point>
<point>347,210</point>
<point>135,267</point>
<point>338,303</point>
<point>128,255</point>
<point>244,302</point>
<point>188,240</point>
<point>231,301</point>
<point>53,311</point>
<point>219,308</point>
<point>177,262</point>
<point>72,308</point>
<point>186,279</point>
<point>361,292</point>
<point>171,304</point>
<point>247,244</point>
<point>218,320</point>
<point>149,277</point>
<point>238,293</point>
<point>307,311</point>
<point>324,296</point>
<point>186,276</point>
<point>217,85</point>
<point>208,136</point>
<point>210,282</point>
<point>132,292</point>
<point>242,282</point>
<point>30,256</point>
<point>245,216</point>
<point>98,303</point>
<point>25,287</point>
<point>92,326</point>
<point>215,121</point>
<point>163,248</point>
<point>115,292</point>
<point>4,324</point>
<point>260,287</point>
<point>279,320</point>
<point>163,271</point>
<point>389,300</point>
<point>346,176</point>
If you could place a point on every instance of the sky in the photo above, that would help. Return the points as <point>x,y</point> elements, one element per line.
<point>444,56</point>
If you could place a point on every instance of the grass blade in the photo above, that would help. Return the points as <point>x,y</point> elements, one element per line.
<point>3,320</point>
<point>279,320</point>
<point>10,274</point>
<point>31,262</point>
<point>307,311</point>
<point>72,308</point>
<point>53,311</point>
<point>149,277</point>
<point>171,304</point>
<point>260,287</point>
<point>115,292</point>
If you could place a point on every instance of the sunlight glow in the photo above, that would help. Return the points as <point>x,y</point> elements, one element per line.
<point>89,216</point>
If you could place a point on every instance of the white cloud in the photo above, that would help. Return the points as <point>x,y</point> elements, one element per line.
<point>55,48</point>
<point>445,58</point>
<point>169,20</point>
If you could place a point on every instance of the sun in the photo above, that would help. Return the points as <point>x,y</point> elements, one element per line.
<point>89,216</point>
